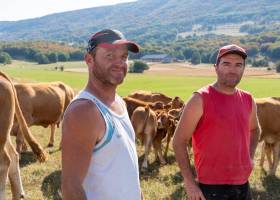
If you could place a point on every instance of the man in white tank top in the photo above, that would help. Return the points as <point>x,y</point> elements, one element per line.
<point>99,160</point>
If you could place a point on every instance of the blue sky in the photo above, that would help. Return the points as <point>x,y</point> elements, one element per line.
<point>11,10</point>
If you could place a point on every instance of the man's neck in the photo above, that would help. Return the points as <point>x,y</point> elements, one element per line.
<point>105,93</point>
<point>224,89</point>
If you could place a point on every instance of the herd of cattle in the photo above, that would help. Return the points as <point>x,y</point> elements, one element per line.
<point>154,117</point>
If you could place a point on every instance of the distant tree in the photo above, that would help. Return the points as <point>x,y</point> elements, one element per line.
<point>63,57</point>
<point>76,55</point>
<point>260,63</point>
<point>196,58</point>
<point>205,57</point>
<point>278,67</point>
<point>188,53</point>
<point>179,55</point>
<point>252,51</point>
<point>275,52</point>
<point>138,67</point>
<point>213,57</point>
<point>5,58</point>
<point>42,58</point>
<point>52,57</point>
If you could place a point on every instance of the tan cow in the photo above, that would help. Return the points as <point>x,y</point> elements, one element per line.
<point>150,96</point>
<point>9,159</point>
<point>144,122</point>
<point>165,129</point>
<point>268,110</point>
<point>42,104</point>
<point>176,103</point>
<point>132,104</point>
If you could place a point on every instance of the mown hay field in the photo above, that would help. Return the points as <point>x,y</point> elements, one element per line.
<point>42,180</point>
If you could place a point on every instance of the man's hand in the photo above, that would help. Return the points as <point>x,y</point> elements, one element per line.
<point>193,191</point>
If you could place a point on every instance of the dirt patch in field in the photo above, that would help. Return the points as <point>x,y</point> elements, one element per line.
<point>187,69</point>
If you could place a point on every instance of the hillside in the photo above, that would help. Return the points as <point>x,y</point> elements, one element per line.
<point>159,20</point>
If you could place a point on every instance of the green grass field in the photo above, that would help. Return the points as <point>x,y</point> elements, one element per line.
<point>42,180</point>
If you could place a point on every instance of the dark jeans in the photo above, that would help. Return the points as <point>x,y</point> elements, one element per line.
<point>226,192</point>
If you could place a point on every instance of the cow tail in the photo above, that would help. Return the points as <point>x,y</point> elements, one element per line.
<point>147,111</point>
<point>35,146</point>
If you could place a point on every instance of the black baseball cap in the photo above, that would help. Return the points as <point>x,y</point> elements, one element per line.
<point>232,48</point>
<point>109,38</point>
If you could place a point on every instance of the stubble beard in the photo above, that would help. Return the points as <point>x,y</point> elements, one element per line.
<point>231,83</point>
<point>105,77</point>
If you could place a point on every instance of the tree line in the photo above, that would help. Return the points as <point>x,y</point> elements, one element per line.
<point>35,55</point>
<point>261,48</point>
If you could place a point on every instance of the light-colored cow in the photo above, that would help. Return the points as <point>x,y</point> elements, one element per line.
<point>144,122</point>
<point>42,104</point>
<point>268,110</point>
<point>150,96</point>
<point>132,104</point>
<point>165,129</point>
<point>9,159</point>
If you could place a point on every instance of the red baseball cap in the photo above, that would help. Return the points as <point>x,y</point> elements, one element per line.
<point>110,38</point>
<point>232,48</point>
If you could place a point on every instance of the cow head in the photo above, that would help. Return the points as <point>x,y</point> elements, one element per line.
<point>163,120</point>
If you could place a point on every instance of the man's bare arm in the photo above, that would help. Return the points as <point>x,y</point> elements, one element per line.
<point>187,124</point>
<point>81,129</point>
<point>254,130</point>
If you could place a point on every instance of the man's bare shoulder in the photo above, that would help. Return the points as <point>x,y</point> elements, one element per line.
<point>81,108</point>
<point>83,114</point>
<point>195,100</point>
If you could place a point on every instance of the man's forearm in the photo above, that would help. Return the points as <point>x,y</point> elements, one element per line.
<point>183,160</point>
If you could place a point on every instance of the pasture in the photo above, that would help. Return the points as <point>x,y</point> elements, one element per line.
<point>42,180</point>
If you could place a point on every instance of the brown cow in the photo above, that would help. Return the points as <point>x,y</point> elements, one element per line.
<point>150,96</point>
<point>132,104</point>
<point>42,104</point>
<point>176,103</point>
<point>9,159</point>
<point>144,122</point>
<point>268,110</point>
<point>166,125</point>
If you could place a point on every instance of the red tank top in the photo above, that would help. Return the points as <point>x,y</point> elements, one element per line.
<point>221,140</point>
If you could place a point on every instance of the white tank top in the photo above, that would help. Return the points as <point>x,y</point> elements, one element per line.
<point>113,172</point>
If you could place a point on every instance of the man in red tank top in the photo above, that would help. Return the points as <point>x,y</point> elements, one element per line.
<point>222,122</point>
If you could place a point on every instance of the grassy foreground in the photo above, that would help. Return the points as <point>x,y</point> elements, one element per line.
<point>42,180</point>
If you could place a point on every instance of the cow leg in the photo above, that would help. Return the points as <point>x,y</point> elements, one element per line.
<point>167,143</point>
<point>4,167</point>
<point>21,146</point>
<point>158,150</point>
<point>268,151</point>
<point>19,142</point>
<point>148,144</point>
<point>51,142</point>
<point>275,158</point>
<point>262,155</point>
<point>14,173</point>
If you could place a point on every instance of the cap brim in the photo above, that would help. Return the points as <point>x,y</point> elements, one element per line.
<point>242,54</point>
<point>131,46</point>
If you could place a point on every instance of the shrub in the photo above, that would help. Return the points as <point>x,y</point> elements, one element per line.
<point>5,58</point>
<point>196,58</point>
<point>138,67</point>
<point>278,67</point>
<point>41,58</point>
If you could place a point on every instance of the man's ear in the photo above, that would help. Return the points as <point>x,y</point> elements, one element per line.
<point>88,58</point>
